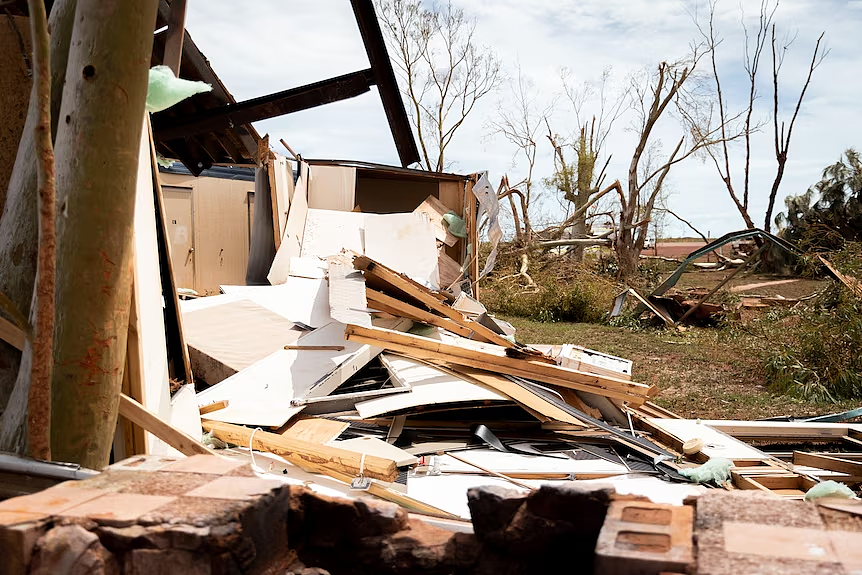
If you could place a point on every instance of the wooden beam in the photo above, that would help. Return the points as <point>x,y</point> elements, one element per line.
<point>411,312</point>
<point>828,463</point>
<point>384,77</point>
<point>425,348</point>
<point>650,306</point>
<point>416,291</point>
<point>215,406</point>
<point>518,393</point>
<point>175,34</point>
<point>306,454</point>
<point>256,109</point>
<point>12,334</point>
<point>179,440</point>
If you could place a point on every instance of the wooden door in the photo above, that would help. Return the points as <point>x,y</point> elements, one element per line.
<point>180,219</point>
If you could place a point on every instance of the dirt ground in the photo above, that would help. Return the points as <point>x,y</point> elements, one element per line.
<point>704,372</point>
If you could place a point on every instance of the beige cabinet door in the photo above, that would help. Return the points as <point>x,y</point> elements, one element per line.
<point>180,223</point>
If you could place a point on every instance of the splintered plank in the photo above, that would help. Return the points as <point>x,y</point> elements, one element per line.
<point>519,394</point>
<point>411,312</point>
<point>313,429</point>
<point>496,359</point>
<point>182,442</point>
<point>306,454</point>
<point>425,296</point>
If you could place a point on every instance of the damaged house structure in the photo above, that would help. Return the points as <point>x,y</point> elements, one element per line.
<point>312,385</point>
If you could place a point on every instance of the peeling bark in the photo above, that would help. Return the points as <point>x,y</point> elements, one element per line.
<point>97,155</point>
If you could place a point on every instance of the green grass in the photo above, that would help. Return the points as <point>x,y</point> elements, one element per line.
<point>707,373</point>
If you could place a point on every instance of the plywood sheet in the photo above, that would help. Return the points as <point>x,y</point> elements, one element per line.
<point>221,233</point>
<point>404,243</point>
<point>429,385</point>
<point>314,429</point>
<point>238,334</point>
<point>15,85</point>
<point>291,240</point>
<point>332,188</point>
<point>261,394</point>
<point>327,232</point>
<point>301,300</point>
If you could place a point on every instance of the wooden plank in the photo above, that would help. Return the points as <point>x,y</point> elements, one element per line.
<point>471,206</point>
<point>517,393</point>
<point>422,294</point>
<point>305,454</point>
<point>650,306</point>
<point>215,406</point>
<point>315,347</point>
<point>828,463</point>
<point>853,284</point>
<point>313,429</point>
<point>414,313</point>
<point>378,447</point>
<point>174,36</point>
<point>426,348</point>
<point>12,334</point>
<point>782,429</point>
<point>182,442</point>
<point>448,269</point>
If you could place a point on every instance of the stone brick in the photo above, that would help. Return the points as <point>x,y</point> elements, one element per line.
<point>18,535</point>
<point>72,550</point>
<point>155,561</point>
<point>51,501</point>
<point>645,538</point>
<point>118,509</point>
<point>730,527</point>
<point>209,464</point>
<point>492,509</point>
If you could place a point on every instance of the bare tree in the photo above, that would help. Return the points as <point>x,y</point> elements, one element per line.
<point>754,44</point>
<point>577,182</point>
<point>444,70</point>
<point>670,87</point>
<point>782,137</point>
<point>519,123</point>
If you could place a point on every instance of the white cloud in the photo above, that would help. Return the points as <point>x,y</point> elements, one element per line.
<point>281,45</point>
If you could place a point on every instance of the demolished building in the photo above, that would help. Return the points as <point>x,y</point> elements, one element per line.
<point>363,411</point>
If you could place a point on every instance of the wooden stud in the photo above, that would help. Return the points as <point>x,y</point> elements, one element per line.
<point>179,440</point>
<point>425,348</point>
<point>828,463</point>
<point>305,454</point>
<point>398,307</point>
<point>215,406</point>
<point>413,289</point>
<point>174,39</point>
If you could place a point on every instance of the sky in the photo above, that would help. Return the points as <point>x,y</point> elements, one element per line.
<point>282,45</point>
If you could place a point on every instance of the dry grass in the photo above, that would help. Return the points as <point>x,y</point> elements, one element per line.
<point>703,373</point>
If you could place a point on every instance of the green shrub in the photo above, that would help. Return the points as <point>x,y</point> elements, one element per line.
<point>817,351</point>
<point>563,290</point>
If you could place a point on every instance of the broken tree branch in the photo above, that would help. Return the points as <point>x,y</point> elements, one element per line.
<point>41,369</point>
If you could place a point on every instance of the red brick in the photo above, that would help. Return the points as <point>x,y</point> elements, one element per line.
<point>645,538</point>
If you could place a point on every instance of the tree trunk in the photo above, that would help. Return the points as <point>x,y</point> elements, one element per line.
<point>97,151</point>
<point>19,229</point>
